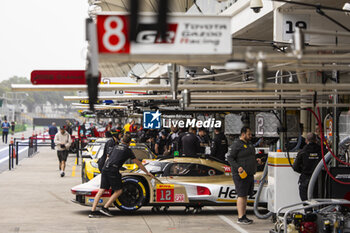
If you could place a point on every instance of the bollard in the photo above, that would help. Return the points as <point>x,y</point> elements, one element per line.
<point>13,142</point>
<point>30,148</point>
<point>78,149</point>
<point>17,153</point>
<point>10,157</point>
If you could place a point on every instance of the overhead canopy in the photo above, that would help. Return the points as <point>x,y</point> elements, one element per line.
<point>146,5</point>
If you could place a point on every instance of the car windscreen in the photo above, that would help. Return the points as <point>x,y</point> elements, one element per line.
<point>141,153</point>
<point>100,151</point>
<point>156,166</point>
<point>190,169</point>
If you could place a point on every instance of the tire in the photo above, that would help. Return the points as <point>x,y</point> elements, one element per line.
<point>134,195</point>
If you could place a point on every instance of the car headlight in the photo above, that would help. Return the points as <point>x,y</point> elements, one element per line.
<point>94,165</point>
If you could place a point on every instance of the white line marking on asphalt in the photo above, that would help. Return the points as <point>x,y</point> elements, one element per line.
<point>230,222</point>
<point>3,149</point>
<point>7,158</point>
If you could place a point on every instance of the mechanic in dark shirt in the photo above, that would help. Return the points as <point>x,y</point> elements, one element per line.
<point>189,143</point>
<point>306,162</point>
<point>69,127</point>
<point>108,129</point>
<point>219,145</point>
<point>241,157</point>
<point>161,142</point>
<point>111,178</point>
<point>152,143</point>
<point>109,145</point>
<point>203,140</point>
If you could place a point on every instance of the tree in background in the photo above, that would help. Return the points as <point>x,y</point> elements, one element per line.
<point>34,98</point>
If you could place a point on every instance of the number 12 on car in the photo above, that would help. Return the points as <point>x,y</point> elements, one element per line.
<point>165,193</point>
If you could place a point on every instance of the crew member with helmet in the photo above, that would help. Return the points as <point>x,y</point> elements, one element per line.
<point>219,145</point>
<point>111,178</point>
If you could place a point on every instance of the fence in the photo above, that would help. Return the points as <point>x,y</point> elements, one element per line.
<point>33,143</point>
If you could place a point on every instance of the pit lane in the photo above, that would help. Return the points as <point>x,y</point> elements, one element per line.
<point>35,199</point>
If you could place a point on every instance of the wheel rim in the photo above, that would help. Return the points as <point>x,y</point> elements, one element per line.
<point>132,195</point>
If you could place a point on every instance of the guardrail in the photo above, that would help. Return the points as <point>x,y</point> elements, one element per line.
<point>33,143</point>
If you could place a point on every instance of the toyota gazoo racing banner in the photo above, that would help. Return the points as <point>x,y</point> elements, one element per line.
<point>186,34</point>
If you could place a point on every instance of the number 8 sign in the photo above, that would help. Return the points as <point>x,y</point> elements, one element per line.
<point>112,34</point>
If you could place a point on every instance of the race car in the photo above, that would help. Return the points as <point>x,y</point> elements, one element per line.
<point>180,181</point>
<point>90,166</point>
<point>93,148</point>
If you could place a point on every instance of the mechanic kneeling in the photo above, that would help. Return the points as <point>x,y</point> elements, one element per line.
<point>111,178</point>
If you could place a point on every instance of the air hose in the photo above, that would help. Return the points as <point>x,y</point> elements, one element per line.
<point>257,197</point>
<point>327,157</point>
<point>322,149</point>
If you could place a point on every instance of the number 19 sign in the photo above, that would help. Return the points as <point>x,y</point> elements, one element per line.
<point>195,35</point>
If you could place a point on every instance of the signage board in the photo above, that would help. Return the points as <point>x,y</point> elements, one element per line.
<point>58,77</point>
<point>287,19</point>
<point>187,35</point>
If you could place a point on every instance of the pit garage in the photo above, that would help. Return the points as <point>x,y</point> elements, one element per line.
<point>279,68</point>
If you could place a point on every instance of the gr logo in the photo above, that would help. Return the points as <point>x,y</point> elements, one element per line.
<point>151,120</point>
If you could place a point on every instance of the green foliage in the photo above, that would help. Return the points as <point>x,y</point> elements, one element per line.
<point>20,128</point>
<point>34,98</point>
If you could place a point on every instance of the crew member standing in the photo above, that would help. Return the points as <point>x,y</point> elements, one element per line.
<point>203,140</point>
<point>63,142</point>
<point>306,162</point>
<point>111,178</point>
<point>161,142</point>
<point>52,132</point>
<point>13,126</point>
<point>189,143</point>
<point>172,140</point>
<point>219,145</point>
<point>69,127</point>
<point>109,145</point>
<point>108,129</point>
<point>5,130</point>
<point>241,157</point>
